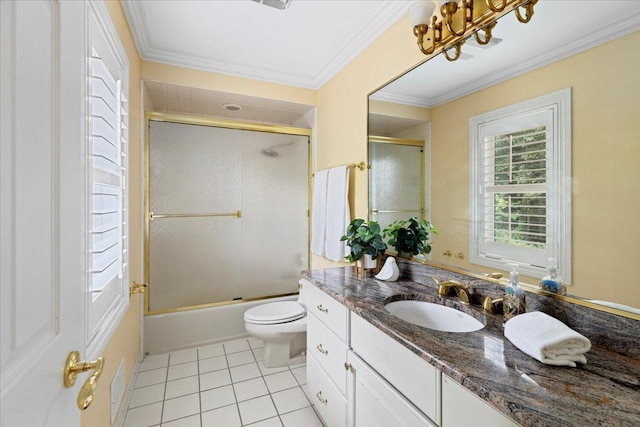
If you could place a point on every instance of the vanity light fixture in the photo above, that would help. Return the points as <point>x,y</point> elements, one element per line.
<point>448,25</point>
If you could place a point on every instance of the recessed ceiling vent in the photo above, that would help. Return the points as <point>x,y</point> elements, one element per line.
<point>278,4</point>
<point>232,107</point>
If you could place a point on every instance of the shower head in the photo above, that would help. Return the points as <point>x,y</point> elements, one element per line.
<point>269,152</point>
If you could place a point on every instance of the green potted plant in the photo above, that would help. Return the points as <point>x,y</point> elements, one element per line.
<point>410,237</point>
<point>364,241</point>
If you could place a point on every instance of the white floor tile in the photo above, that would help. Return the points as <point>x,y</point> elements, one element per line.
<point>181,371</point>
<point>254,342</point>
<point>257,353</point>
<point>300,374</point>
<point>271,422</point>
<point>212,364</point>
<point>244,372</point>
<point>269,371</point>
<point>280,381</point>
<point>302,417</point>
<point>227,416</point>
<point>236,346</point>
<point>154,362</point>
<point>299,365</point>
<point>215,379</point>
<point>257,409</point>
<point>145,395</point>
<point>192,421</point>
<point>154,376</point>
<point>217,398</point>
<point>181,407</point>
<point>249,389</point>
<point>183,356</point>
<point>290,400</point>
<point>240,358</point>
<point>212,350</point>
<point>182,387</point>
<point>144,416</point>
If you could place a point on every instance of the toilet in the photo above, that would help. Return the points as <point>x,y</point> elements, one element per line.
<point>282,326</point>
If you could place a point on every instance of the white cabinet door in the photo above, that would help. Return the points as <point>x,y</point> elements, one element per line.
<point>374,402</point>
<point>41,219</point>
<point>461,408</point>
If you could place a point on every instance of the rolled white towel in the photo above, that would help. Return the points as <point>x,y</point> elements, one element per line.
<point>547,339</point>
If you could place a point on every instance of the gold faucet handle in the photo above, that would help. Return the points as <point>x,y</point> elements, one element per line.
<point>489,304</point>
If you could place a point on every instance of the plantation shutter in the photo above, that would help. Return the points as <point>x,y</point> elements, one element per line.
<point>108,122</point>
<point>515,188</point>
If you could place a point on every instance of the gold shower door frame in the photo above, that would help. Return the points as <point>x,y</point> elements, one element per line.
<point>226,124</point>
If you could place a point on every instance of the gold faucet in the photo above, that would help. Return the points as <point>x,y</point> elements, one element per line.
<point>463,290</point>
<point>489,304</point>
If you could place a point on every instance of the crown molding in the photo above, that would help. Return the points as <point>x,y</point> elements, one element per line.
<point>386,14</point>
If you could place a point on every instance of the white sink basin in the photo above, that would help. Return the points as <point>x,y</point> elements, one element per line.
<point>433,316</point>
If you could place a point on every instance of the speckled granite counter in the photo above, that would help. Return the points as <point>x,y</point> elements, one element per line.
<point>605,392</point>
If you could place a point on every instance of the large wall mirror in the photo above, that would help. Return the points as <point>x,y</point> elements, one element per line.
<point>596,55</point>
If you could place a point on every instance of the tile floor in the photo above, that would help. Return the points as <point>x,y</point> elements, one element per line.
<point>224,385</point>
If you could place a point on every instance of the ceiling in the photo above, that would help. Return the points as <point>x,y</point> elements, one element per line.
<point>308,43</point>
<point>303,45</point>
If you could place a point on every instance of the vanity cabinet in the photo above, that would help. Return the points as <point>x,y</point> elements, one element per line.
<point>417,380</point>
<point>462,408</point>
<point>374,402</point>
<point>359,376</point>
<point>327,346</point>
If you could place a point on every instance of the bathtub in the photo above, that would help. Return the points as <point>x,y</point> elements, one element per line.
<point>169,332</point>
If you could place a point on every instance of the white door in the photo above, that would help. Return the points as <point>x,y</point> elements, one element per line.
<point>42,199</point>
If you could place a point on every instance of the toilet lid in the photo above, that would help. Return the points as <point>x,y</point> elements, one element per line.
<point>275,312</point>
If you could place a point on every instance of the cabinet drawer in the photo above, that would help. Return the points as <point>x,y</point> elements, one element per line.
<point>411,375</point>
<point>376,403</point>
<point>329,311</point>
<point>325,396</point>
<point>328,350</point>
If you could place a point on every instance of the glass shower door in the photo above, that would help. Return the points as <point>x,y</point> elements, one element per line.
<point>396,182</point>
<point>229,214</point>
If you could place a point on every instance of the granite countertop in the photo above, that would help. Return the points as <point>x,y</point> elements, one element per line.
<point>604,392</point>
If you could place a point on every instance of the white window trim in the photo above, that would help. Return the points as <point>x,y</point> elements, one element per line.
<point>97,338</point>
<point>558,192</point>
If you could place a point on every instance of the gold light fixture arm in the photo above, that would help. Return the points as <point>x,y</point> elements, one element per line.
<point>457,49</point>
<point>528,11</point>
<point>436,38</point>
<point>448,11</point>
<point>487,34</point>
<point>420,31</point>
<point>495,8</point>
<point>73,367</point>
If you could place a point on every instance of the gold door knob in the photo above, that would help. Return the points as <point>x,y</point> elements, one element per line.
<point>73,367</point>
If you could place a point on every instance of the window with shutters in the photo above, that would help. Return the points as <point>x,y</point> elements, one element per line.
<point>107,175</point>
<point>521,185</point>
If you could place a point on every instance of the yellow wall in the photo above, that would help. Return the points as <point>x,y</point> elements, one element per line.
<point>126,339</point>
<point>605,153</point>
<point>225,83</point>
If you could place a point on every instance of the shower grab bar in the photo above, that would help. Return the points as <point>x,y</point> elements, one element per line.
<point>152,216</point>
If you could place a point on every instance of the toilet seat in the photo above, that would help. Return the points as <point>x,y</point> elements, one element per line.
<point>274,313</point>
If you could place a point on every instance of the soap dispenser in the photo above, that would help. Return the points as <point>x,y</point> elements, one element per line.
<point>552,282</point>
<point>514,297</point>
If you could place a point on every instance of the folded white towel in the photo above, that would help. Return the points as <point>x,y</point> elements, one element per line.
<point>547,339</point>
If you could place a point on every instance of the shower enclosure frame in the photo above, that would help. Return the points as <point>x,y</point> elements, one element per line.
<point>219,123</point>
